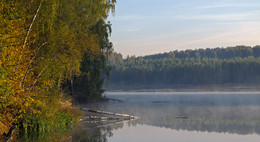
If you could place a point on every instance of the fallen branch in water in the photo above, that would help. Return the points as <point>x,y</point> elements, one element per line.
<point>105,125</point>
<point>96,118</point>
<point>110,113</point>
<point>113,100</point>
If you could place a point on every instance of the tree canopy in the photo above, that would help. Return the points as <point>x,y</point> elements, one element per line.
<point>43,44</point>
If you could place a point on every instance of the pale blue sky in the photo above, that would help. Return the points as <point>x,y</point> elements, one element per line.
<point>142,27</point>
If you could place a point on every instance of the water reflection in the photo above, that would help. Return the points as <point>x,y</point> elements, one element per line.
<point>83,134</point>
<point>222,113</point>
<point>179,117</point>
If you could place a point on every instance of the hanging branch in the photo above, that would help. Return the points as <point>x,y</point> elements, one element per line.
<point>37,51</point>
<point>28,67</point>
<point>57,54</point>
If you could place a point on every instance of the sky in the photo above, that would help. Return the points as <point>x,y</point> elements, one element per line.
<point>144,27</point>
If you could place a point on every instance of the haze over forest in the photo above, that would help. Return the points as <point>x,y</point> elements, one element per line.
<point>58,54</point>
<point>232,65</point>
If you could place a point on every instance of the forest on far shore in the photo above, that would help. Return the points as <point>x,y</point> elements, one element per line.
<point>231,65</point>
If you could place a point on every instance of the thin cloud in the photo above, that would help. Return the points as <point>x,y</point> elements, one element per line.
<point>138,17</point>
<point>253,15</point>
<point>129,17</point>
<point>232,38</point>
<point>230,5</point>
<point>132,30</point>
<point>243,33</point>
<point>153,28</point>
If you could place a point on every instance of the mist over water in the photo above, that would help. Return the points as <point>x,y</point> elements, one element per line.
<point>178,116</point>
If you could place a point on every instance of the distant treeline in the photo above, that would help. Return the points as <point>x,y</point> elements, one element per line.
<point>240,64</point>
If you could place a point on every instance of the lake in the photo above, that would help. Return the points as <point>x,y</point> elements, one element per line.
<point>181,117</point>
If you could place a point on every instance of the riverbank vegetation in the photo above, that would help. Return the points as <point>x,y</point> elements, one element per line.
<point>45,45</point>
<point>231,65</point>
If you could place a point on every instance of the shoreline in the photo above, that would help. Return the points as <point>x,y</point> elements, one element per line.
<point>183,88</point>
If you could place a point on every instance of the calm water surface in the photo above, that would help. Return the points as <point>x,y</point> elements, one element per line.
<point>180,117</point>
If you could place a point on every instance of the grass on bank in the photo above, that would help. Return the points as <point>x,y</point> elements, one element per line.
<point>39,127</point>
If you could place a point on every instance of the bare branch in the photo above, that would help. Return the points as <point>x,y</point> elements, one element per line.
<point>57,54</point>
<point>27,69</point>
<point>37,51</point>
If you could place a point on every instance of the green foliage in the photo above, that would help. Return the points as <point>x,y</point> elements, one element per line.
<point>64,119</point>
<point>94,68</point>
<point>42,45</point>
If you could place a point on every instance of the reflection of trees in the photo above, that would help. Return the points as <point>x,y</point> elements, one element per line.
<point>62,134</point>
<point>213,125</point>
<point>95,134</point>
<point>225,114</point>
<point>78,134</point>
<point>242,120</point>
<point>222,114</point>
<point>212,113</point>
